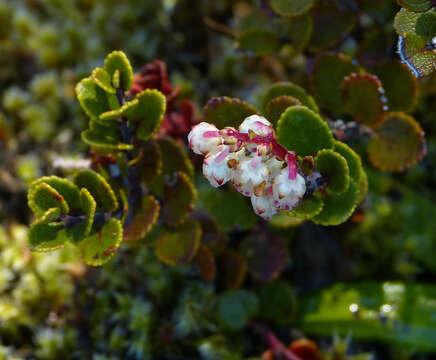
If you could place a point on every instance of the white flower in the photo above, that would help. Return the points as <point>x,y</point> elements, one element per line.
<point>286,192</point>
<point>216,168</point>
<point>251,176</point>
<point>258,124</point>
<point>263,206</point>
<point>204,137</point>
<point>274,166</point>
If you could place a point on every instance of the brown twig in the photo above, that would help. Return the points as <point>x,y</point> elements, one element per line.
<point>218,27</point>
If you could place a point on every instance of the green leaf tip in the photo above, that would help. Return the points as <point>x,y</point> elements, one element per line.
<point>118,61</point>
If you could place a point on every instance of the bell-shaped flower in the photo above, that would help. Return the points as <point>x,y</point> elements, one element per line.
<point>204,138</point>
<point>257,124</point>
<point>286,192</point>
<point>263,206</point>
<point>216,168</point>
<point>251,176</point>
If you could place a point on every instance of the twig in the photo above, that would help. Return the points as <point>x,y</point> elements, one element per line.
<point>218,27</point>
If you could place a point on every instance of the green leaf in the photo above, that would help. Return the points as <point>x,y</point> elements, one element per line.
<point>103,79</point>
<point>148,114</point>
<point>174,158</point>
<point>327,77</point>
<point>179,246</point>
<point>288,89</point>
<point>65,187</point>
<point>405,22</point>
<point>362,187</point>
<point>45,235</point>
<point>43,197</point>
<point>277,106</point>
<point>416,5</point>
<point>278,302</point>
<point>338,208</point>
<point>291,7</point>
<point>88,207</point>
<point>228,208</point>
<point>150,163</point>
<point>400,85</point>
<point>92,98</point>
<point>353,160</point>
<point>297,30</point>
<point>364,98</point>
<point>101,246</point>
<point>426,25</point>
<point>118,61</point>
<point>398,143</point>
<point>417,55</point>
<point>116,114</point>
<point>143,220</point>
<point>394,313</point>
<point>332,23</point>
<point>98,187</point>
<point>236,308</point>
<point>104,136</point>
<point>205,262</point>
<point>301,130</point>
<point>308,208</point>
<point>259,41</point>
<point>233,269</point>
<point>334,168</point>
<point>180,197</point>
<point>266,256</point>
<point>225,111</point>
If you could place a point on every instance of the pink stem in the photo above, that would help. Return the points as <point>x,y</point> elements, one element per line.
<point>273,342</point>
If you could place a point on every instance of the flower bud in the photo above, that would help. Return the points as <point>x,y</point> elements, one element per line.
<point>263,206</point>
<point>257,124</point>
<point>286,192</point>
<point>204,138</point>
<point>251,173</point>
<point>216,168</point>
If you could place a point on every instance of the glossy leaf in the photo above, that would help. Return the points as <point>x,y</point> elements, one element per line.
<point>278,105</point>
<point>103,79</point>
<point>259,41</point>
<point>300,129</point>
<point>225,111</point>
<point>92,98</point>
<point>397,144</point>
<point>104,136</point>
<point>205,262</point>
<point>88,207</point>
<point>98,187</point>
<point>416,5</point>
<point>143,220</point>
<point>44,197</point>
<point>327,77</point>
<point>117,60</point>
<point>233,269</point>
<point>308,208</point>
<point>291,7</point>
<point>334,168</point>
<point>288,89</point>
<point>400,85</point>
<point>338,208</point>
<point>405,22</point>
<point>417,55</point>
<point>353,160</point>
<point>364,98</point>
<point>278,302</point>
<point>236,308</point>
<point>101,246</point>
<point>46,235</point>
<point>179,246</point>
<point>180,197</point>
<point>266,256</point>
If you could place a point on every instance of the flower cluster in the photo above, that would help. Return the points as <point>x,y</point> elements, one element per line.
<point>253,160</point>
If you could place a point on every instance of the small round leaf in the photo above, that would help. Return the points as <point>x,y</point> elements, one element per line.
<point>334,169</point>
